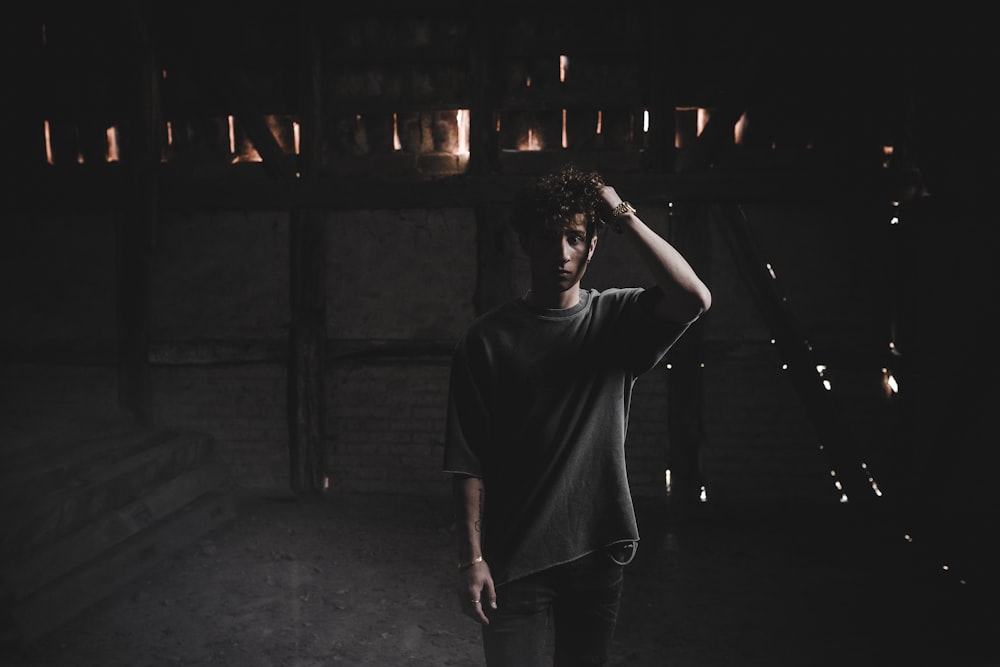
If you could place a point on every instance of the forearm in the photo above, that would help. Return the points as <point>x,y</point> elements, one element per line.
<point>468,495</point>
<point>686,297</point>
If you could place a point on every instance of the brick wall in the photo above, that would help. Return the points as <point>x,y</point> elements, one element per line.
<point>385,426</point>
<point>406,279</point>
<point>241,406</point>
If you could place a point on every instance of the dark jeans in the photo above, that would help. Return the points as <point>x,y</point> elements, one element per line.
<point>579,598</point>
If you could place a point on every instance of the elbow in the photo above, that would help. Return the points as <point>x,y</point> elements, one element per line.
<point>686,305</point>
<point>698,302</point>
<point>704,297</point>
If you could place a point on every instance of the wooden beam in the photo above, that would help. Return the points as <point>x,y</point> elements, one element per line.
<point>839,442</point>
<point>247,187</point>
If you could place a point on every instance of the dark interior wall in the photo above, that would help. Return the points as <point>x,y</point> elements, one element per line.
<point>402,276</point>
<point>400,290</point>
<point>58,291</point>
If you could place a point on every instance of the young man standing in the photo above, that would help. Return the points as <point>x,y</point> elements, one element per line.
<point>537,416</point>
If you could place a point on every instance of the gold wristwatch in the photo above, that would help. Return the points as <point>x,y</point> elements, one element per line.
<point>620,210</point>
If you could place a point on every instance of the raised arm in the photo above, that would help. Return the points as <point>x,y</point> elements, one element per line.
<point>476,587</point>
<point>686,297</point>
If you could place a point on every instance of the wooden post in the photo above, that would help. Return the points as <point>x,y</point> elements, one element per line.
<point>494,273</point>
<point>484,146</point>
<point>660,80</point>
<point>307,358</point>
<point>307,267</point>
<point>135,223</point>
<point>685,381</point>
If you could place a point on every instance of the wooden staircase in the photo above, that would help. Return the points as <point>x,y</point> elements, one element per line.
<point>85,510</point>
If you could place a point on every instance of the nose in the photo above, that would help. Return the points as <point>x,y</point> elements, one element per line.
<point>565,250</point>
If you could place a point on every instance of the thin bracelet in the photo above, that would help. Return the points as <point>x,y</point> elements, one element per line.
<point>465,566</point>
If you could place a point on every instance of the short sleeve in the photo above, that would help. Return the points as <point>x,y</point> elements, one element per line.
<point>467,424</point>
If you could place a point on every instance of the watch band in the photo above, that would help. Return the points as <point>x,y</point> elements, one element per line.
<point>623,208</point>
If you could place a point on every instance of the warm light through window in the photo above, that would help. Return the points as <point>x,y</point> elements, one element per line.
<point>112,153</point>
<point>739,128</point>
<point>462,117</point>
<point>48,143</point>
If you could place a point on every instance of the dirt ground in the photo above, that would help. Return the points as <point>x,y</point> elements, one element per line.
<point>369,580</point>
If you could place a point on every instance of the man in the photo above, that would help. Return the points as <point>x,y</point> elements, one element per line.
<point>537,415</point>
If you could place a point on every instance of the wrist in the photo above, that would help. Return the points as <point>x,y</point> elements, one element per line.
<point>462,567</point>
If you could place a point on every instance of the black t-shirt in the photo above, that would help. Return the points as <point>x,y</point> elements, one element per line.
<point>538,408</point>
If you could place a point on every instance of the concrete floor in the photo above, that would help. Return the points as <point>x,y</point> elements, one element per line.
<point>365,580</point>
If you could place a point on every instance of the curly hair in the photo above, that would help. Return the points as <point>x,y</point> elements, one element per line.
<point>553,201</point>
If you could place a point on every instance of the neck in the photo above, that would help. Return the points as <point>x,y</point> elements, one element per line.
<point>559,300</point>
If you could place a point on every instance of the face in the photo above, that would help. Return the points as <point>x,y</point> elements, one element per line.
<point>558,262</point>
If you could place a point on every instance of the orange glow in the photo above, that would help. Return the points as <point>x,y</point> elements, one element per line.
<point>600,121</point>
<point>112,153</point>
<point>563,68</point>
<point>462,116</point>
<point>690,123</point>
<point>739,128</point>
<point>887,151</point>
<point>397,145</point>
<point>704,115</point>
<point>232,135</point>
<point>531,142</point>
<point>565,138</point>
<point>48,143</point>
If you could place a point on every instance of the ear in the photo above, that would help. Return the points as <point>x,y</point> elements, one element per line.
<point>593,247</point>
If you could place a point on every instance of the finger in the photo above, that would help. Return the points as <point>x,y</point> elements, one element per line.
<point>474,609</point>
<point>490,594</point>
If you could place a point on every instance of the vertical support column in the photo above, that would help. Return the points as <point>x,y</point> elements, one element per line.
<point>134,381</point>
<point>685,382</point>
<point>494,273</point>
<point>307,358</point>
<point>484,145</point>
<point>307,298</point>
<point>659,72</point>
<point>135,225</point>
